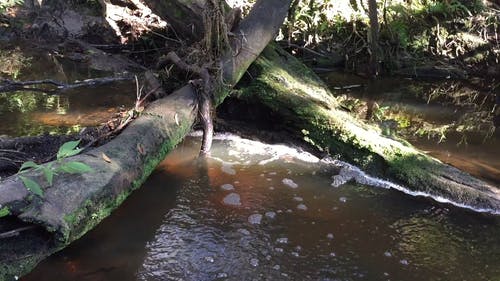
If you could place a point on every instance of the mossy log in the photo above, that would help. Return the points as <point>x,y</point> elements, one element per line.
<point>74,204</point>
<point>296,95</point>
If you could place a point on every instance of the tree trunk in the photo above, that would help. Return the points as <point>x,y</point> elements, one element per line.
<point>295,94</point>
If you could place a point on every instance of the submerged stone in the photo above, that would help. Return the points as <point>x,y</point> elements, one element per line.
<point>227,187</point>
<point>232,199</point>
<point>302,207</point>
<point>289,183</point>
<point>255,219</point>
<point>298,199</point>
<point>270,214</point>
<point>329,236</point>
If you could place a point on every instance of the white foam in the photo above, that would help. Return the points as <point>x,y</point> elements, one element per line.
<point>289,183</point>
<point>347,171</point>
<point>362,178</point>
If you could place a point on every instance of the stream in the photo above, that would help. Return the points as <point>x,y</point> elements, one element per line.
<point>254,211</point>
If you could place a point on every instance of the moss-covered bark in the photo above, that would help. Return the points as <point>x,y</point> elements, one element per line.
<point>296,94</point>
<point>74,204</point>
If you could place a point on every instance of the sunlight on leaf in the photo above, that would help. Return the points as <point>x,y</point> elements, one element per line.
<point>4,212</point>
<point>75,167</point>
<point>32,186</point>
<point>68,149</point>
<point>28,165</point>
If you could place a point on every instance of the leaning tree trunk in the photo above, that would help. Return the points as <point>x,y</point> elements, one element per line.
<point>293,93</point>
<point>74,204</point>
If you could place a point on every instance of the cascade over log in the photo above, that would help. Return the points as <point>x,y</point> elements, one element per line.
<point>294,93</point>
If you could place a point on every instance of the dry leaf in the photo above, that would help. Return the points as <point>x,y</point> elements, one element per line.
<point>140,149</point>
<point>176,117</point>
<point>106,158</point>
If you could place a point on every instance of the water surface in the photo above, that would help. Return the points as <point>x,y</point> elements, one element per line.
<point>260,212</point>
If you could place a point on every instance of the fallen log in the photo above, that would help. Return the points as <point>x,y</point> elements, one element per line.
<point>74,204</point>
<point>293,93</point>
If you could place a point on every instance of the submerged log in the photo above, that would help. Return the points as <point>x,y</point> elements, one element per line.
<point>74,204</point>
<point>293,93</point>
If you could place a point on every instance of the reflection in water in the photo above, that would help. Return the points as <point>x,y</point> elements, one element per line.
<point>449,120</point>
<point>178,227</point>
<point>33,113</point>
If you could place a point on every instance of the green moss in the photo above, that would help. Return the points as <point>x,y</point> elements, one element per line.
<point>90,214</point>
<point>285,87</point>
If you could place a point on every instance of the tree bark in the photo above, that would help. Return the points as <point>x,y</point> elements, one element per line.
<point>293,93</point>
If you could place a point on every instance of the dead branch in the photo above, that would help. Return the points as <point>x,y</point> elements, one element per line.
<point>205,103</point>
<point>54,87</point>
<point>16,231</point>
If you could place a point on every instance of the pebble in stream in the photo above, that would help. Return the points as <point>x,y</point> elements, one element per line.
<point>270,214</point>
<point>302,207</point>
<point>232,199</point>
<point>227,187</point>
<point>255,219</point>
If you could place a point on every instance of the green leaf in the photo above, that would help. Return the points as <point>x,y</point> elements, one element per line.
<point>68,149</point>
<point>4,212</point>
<point>49,175</point>
<point>32,186</point>
<point>28,165</point>
<point>75,167</point>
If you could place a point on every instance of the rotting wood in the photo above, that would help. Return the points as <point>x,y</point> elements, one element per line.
<point>291,91</point>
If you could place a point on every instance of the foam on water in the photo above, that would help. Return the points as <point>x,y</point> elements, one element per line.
<point>347,172</point>
<point>362,178</point>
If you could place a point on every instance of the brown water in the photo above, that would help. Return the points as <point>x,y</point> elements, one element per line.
<point>181,226</point>
<point>28,113</point>
<point>33,113</point>
<point>417,110</point>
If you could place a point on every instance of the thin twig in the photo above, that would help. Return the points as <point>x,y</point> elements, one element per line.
<point>7,85</point>
<point>16,231</point>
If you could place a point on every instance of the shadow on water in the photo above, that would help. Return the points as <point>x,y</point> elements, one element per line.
<point>290,224</point>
